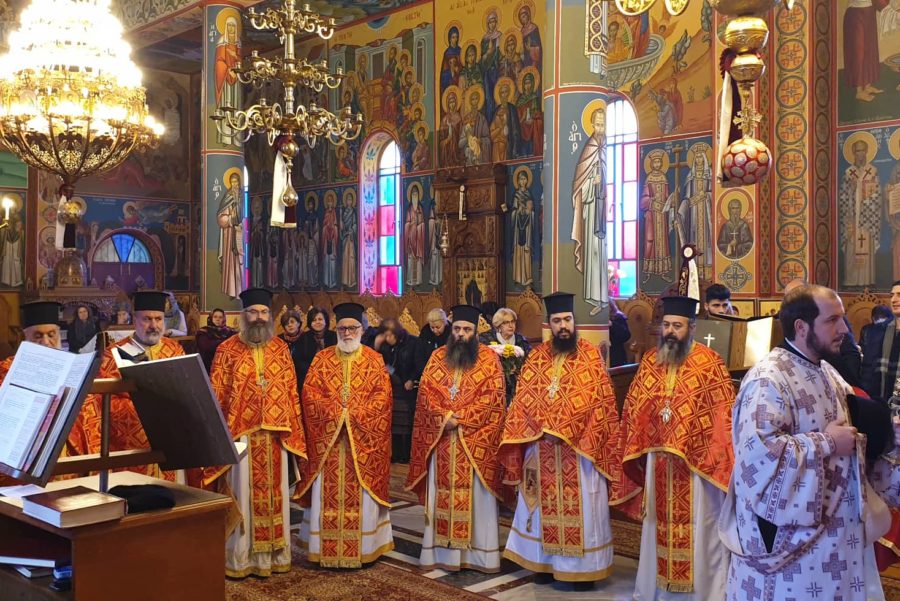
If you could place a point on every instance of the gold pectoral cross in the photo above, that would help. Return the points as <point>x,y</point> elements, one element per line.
<point>263,383</point>
<point>554,387</point>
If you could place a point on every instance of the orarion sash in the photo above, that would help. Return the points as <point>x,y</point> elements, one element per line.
<point>560,497</point>
<point>453,502</point>
<point>341,523</point>
<point>674,531</point>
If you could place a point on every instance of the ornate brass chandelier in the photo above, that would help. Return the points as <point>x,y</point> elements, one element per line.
<point>284,122</point>
<point>71,100</point>
<point>746,160</point>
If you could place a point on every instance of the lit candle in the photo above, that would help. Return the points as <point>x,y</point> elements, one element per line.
<point>462,199</point>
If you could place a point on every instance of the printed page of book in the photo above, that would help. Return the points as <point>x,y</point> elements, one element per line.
<point>40,369</point>
<point>22,412</point>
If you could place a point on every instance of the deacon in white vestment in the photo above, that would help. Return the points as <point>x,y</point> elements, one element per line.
<point>802,514</point>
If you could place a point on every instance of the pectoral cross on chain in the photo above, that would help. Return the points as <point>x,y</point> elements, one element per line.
<point>553,388</point>
<point>666,414</point>
<point>263,383</point>
<point>454,390</point>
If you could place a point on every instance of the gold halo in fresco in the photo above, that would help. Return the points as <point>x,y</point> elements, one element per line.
<point>734,194</point>
<point>512,90</point>
<point>455,91</point>
<point>523,169</point>
<point>589,109</point>
<point>656,152</point>
<point>864,136</point>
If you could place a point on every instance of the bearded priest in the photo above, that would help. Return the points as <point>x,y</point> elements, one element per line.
<point>677,458</point>
<point>253,378</point>
<point>455,467</point>
<point>560,447</point>
<point>147,343</point>
<point>347,407</point>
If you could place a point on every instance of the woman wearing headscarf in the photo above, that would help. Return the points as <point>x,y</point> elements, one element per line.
<point>82,329</point>
<point>210,336</point>
<point>174,320</point>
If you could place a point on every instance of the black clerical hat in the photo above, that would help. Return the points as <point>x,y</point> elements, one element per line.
<point>149,300</point>
<point>40,313</point>
<point>559,302</point>
<point>349,311</point>
<point>684,306</point>
<point>465,313</point>
<point>256,296</point>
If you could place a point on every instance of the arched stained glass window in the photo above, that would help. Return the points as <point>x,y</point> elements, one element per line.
<point>388,277</point>
<point>622,198</point>
<point>122,248</point>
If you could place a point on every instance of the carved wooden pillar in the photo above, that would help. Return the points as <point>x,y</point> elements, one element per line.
<point>475,268</point>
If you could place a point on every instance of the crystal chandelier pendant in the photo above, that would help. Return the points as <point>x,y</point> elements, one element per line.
<point>71,100</point>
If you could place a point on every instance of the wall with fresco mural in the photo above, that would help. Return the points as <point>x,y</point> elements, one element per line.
<point>139,224</point>
<point>390,64</point>
<point>14,188</point>
<point>866,156</point>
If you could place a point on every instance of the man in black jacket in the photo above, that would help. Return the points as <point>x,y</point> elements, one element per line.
<point>404,362</point>
<point>881,352</point>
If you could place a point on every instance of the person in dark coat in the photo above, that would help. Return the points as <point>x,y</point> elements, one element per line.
<point>404,363</point>
<point>210,336</point>
<point>304,346</point>
<point>619,334</point>
<point>436,333</point>
<point>82,329</point>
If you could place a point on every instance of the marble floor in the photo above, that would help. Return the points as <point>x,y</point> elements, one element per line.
<point>512,583</point>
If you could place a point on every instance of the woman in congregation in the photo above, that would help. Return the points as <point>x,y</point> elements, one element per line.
<point>511,346</point>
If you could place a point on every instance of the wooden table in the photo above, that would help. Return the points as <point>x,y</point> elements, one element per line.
<point>176,553</point>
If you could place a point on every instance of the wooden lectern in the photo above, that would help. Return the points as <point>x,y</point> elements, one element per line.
<point>176,553</point>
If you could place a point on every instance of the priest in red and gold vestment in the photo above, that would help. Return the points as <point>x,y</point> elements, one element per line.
<point>677,457</point>
<point>146,344</point>
<point>253,378</point>
<point>455,467</point>
<point>560,447</point>
<point>347,413</point>
<point>40,325</point>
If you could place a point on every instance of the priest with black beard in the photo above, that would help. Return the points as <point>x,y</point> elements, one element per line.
<point>455,454</point>
<point>560,448</point>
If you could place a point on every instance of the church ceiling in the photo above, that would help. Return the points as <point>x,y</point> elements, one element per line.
<point>175,43</point>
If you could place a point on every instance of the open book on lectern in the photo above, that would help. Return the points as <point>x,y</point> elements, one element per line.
<point>179,412</point>
<point>40,399</point>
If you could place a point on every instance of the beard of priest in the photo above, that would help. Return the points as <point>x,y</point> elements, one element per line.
<point>253,378</point>
<point>677,459</point>
<point>145,344</point>
<point>455,458</point>
<point>560,448</point>
<point>347,408</point>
